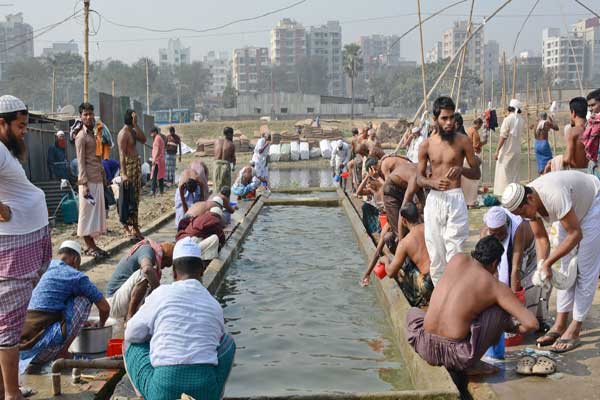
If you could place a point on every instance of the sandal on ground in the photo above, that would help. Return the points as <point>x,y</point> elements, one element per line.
<point>96,253</point>
<point>554,336</point>
<point>525,365</point>
<point>27,391</point>
<point>544,366</point>
<point>571,345</point>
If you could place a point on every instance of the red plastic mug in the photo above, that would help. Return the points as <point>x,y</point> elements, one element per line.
<point>382,220</point>
<point>380,270</point>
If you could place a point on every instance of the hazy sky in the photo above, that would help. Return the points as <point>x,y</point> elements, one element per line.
<point>357,17</point>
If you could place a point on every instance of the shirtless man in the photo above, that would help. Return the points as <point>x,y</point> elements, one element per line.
<point>131,173</point>
<point>457,329</point>
<point>445,213</point>
<point>543,152</point>
<point>574,157</point>
<point>224,160</point>
<point>373,140</point>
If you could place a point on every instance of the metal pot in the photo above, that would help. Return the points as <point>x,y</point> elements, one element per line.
<point>93,340</point>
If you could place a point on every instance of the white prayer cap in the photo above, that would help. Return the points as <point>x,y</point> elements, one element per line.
<point>217,210</point>
<point>10,104</point>
<point>72,245</point>
<point>218,200</point>
<point>416,129</point>
<point>186,247</point>
<point>495,217</point>
<point>340,144</point>
<point>516,104</point>
<point>513,196</point>
<point>60,134</point>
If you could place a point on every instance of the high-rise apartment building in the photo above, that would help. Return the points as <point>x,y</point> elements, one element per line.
<point>288,43</point>
<point>175,54</point>
<point>559,59</point>
<point>380,49</point>
<point>325,42</point>
<point>16,40</point>
<point>61,48</point>
<point>219,66</point>
<point>454,37</point>
<point>491,60</point>
<point>589,31</point>
<point>249,67</point>
<point>435,54</point>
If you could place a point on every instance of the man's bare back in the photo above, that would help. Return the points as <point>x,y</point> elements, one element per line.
<point>398,169</point>
<point>224,150</point>
<point>414,245</point>
<point>575,153</point>
<point>542,134</point>
<point>446,158</point>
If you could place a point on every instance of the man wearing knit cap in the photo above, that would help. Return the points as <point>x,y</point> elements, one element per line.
<point>59,308</point>
<point>176,343</point>
<point>25,244</point>
<point>573,198</point>
<point>519,261</point>
<point>509,148</point>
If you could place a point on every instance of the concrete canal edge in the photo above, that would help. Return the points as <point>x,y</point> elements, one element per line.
<point>423,375</point>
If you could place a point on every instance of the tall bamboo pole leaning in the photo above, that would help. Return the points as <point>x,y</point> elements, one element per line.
<point>528,132</point>
<point>553,131</point>
<point>490,136</point>
<point>514,79</point>
<point>422,54</point>
<point>464,56</point>
<point>52,102</point>
<point>113,88</point>
<point>86,49</point>
<point>147,89</point>
<point>503,82</point>
<point>453,58</point>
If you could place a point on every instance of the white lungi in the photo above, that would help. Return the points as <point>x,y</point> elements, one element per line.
<point>507,171</point>
<point>446,228</point>
<point>209,247</point>
<point>119,301</point>
<point>92,218</point>
<point>580,296</point>
<point>470,186</point>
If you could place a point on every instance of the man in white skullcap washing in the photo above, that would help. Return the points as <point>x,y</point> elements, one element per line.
<point>59,309</point>
<point>57,157</point>
<point>340,157</point>
<point>518,263</point>
<point>508,152</point>
<point>25,244</point>
<point>573,199</point>
<point>176,343</point>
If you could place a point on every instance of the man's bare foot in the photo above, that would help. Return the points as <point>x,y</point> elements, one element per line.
<point>481,368</point>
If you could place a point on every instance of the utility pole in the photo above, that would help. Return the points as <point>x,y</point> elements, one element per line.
<point>86,50</point>
<point>113,88</point>
<point>52,102</point>
<point>147,89</point>
<point>503,81</point>
<point>422,55</point>
<point>514,80</point>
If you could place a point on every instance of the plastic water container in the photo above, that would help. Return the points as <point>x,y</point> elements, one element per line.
<point>114,348</point>
<point>69,211</point>
<point>380,270</point>
<point>515,339</point>
<point>336,178</point>
<point>497,351</point>
<point>382,220</point>
<point>345,175</point>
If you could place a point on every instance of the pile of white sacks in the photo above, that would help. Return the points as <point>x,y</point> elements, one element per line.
<point>296,151</point>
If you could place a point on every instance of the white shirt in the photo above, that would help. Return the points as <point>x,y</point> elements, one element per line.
<point>562,191</point>
<point>413,149</point>
<point>145,168</point>
<point>183,322</point>
<point>259,157</point>
<point>27,202</point>
<point>340,156</point>
<point>511,129</point>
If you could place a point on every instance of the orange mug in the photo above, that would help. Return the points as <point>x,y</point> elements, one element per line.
<point>380,270</point>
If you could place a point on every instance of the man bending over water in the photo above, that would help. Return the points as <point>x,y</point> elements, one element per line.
<point>445,213</point>
<point>468,311</point>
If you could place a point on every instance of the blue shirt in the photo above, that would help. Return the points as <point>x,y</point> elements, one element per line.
<point>60,283</point>
<point>190,198</point>
<point>127,266</point>
<point>110,167</point>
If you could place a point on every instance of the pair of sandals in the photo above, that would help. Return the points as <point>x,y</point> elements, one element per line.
<point>554,339</point>
<point>540,366</point>
<point>97,253</point>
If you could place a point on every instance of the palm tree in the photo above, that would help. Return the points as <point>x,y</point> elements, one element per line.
<point>353,64</point>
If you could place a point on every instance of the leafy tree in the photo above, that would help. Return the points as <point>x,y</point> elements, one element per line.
<point>353,64</point>
<point>229,95</point>
<point>30,80</point>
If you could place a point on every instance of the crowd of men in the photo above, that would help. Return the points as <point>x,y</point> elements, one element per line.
<point>46,300</point>
<point>510,275</point>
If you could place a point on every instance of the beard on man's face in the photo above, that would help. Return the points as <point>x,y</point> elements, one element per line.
<point>447,135</point>
<point>16,145</point>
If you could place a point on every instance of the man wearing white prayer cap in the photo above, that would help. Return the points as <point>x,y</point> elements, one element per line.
<point>573,198</point>
<point>25,241</point>
<point>179,333</point>
<point>340,157</point>
<point>412,153</point>
<point>508,152</point>
<point>519,261</point>
<point>57,157</point>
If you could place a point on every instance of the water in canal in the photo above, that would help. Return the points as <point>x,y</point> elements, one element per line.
<point>300,177</point>
<point>301,321</point>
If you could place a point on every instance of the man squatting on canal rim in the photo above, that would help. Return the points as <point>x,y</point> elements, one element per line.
<point>474,298</point>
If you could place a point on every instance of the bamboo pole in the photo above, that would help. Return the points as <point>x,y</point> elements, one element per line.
<point>113,88</point>
<point>504,82</point>
<point>422,54</point>
<point>86,49</point>
<point>514,80</point>
<point>453,58</point>
<point>464,55</point>
<point>490,137</point>
<point>53,99</point>
<point>553,131</point>
<point>528,132</point>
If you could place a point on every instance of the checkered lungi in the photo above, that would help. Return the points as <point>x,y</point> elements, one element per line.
<point>200,381</point>
<point>52,343</point>
<point>133,170</point>
<point>171,165</point>
<point>24,258</point>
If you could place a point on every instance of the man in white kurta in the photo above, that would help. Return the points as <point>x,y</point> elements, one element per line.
<point>261,152</point>
<point>573,198</point>
<point>508,154</point>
